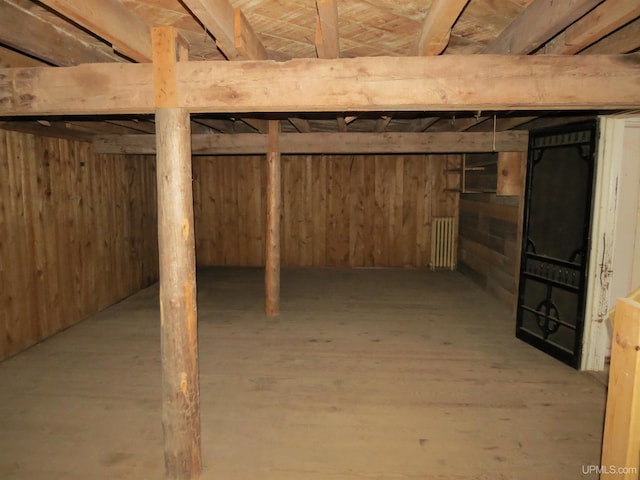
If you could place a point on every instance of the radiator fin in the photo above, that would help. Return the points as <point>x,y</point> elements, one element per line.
<point>443,243</point>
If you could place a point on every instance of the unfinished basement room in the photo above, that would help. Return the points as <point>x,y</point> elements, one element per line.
<point>319,239</point>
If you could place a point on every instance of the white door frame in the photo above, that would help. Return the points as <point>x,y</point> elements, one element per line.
<point>609,168</point>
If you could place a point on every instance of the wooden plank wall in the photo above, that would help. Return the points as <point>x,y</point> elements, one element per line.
<point>338,211</point>
<point>489,243</point>
<point>77,234</point>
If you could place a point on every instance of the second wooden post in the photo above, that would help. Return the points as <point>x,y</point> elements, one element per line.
<point>274,202</point>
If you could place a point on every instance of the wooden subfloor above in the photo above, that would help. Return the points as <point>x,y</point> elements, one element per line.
<point>367,374</point>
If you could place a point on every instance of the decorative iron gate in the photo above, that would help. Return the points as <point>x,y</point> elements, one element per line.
<point>557,221</point>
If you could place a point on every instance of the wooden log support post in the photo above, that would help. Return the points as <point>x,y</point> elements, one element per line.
<point>179,336</point>
<point>621,442</point>
<point>274,201</point>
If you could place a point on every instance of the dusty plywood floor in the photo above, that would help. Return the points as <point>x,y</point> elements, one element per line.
<point>368,374</point>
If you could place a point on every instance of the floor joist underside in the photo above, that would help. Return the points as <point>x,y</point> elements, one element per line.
<point>366,374</point>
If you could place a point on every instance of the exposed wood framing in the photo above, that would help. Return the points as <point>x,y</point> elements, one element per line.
<point>218,17</point>
<point>539,22</point>
<point>470,82</point>
<point>274,210</point>
<point>176,244</point>
<point>624,40</point>
<point>235,38</point>
<point>245,39</point>
<point>21,29</point>
<point>436,30</point>
<point>327,34</point>
<point>601,21</point>
<point>112,21</point>
<point>326,142</point>
<point>621,441</point>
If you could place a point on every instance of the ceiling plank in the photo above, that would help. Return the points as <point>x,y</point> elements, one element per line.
<point>112,21</point>
<point>601,21</point>
<point>327,34</point>
<point>374,84</point>
<point>326,142</point>
<point>436,30</point>
<point>624,40</point>
<point>540,21</point>
<point>22,29</point>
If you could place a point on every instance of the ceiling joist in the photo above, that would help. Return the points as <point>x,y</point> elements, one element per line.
<point>436,30</point>
<point>327,34</point>
<point>601,21</point>
<point>539,22</point>
<point>23,30</point>
<point>112,21</point>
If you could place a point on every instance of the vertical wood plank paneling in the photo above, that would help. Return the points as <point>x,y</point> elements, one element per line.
<point>357,219</point>
<point>77,233</point>
<point>318,202</point>
<point>342,211</point>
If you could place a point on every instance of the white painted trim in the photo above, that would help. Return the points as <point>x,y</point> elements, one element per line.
<point>610,163</point>
<point>608,166</point>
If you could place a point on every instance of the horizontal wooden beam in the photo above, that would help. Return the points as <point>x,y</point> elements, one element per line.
<point>446,82</point>
<point>329,143</point>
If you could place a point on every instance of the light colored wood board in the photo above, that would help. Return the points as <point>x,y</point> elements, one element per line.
<point>621,440</point>
<point>538,82</point>
<point>402,84</point>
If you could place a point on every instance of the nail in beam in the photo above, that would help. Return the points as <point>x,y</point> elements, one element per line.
<point>178,315</point>
<point>274,202</point>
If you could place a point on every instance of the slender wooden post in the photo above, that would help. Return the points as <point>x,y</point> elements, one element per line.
<point>178,315</point>
<point>274,201</point>
<point>621,441</point>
